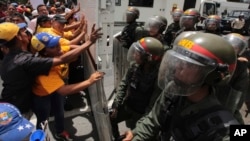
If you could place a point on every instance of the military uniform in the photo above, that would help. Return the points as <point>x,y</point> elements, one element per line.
<point>136,95</point>
<point>138,89</point>
<point>184,120</point>
<point>187,109</point>
<point>170,33</point>
<point>131,33</point>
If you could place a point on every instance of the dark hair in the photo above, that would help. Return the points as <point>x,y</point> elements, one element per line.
<point>40,5</point>
<point>42,18</point>
<point>17,14</point>
<point>11,43</point>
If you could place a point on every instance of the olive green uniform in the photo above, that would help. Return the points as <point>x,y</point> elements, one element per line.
<point>162,117</point>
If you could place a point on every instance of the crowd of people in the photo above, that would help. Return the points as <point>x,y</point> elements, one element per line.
<point>180,84</point>
<point>35,65</point>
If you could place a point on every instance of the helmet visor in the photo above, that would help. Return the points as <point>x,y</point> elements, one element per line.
<point>130,16</point>
<point>187,21</point>
<point>181,75</point>
<point>135,53</point>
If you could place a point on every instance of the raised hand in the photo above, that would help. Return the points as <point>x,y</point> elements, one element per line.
<point>95,34</point>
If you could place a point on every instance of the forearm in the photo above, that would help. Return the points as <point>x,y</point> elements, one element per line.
<point>74,88</point>
<point>120,93</point>
<point>149,126</point>
<point>77,39</point>
<point>72,54</point>
<point>72,26</point>
<point>145,130</point>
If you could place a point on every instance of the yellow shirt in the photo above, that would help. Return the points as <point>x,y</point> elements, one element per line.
<point>42,29</point>
<point>67,35</point>
<point>47,84</point>
<point>64,43</point>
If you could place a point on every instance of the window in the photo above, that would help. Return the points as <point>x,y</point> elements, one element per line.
<point>209,9</point>
<point>242,1</point>
<point>142,3</point>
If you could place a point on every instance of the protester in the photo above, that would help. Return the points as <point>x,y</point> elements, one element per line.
<point>13,127</point>
<point>49,89</point>
<point>20,67</point>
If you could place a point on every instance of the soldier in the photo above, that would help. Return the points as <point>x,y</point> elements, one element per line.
<point>132,31</point>
<point>173,27</point>
<point>156,26</point>
<point>212,24</point>
<point>187,109</point>
<point>138,89</point>
<point>188,21</point>
<point>233,95</point>
<point>130,34</point>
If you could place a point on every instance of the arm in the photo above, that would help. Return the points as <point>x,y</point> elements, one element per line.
<point>121,90</point>
<point>239,86</point>
<point>77,39</point>
<point>150,126</point>
<point>73,11</point>
<point>232,23</point>
<point>72,26</point>
<point>69,56</point>
<point>156,93</point>
<point>74,88</point>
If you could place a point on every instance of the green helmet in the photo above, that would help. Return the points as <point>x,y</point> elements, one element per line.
<point>133,11</point>
<point>195,60</point>
<point>158,23</point>
<point>212,22</point>
<point>189,18</point>
<point>192,12</point>
<point>183,35</point>
<point>149,49</point>
<point>176,14</point>
<point>238,42</point>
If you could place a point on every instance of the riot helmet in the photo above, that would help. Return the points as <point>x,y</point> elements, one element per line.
<point>194,62</point>
<point>183,35</point>
<point>212,23</point>
<point>156,25</point>
<point>132,14</point>
<point>238,42</point>
<point>147,49</point>
<point>189,18</point>
<point>176,15</point>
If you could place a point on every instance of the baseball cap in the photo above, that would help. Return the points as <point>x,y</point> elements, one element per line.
<point>13,127</point>
<point>8,31</point>
<point>43,39</point>
<point>60,18</point>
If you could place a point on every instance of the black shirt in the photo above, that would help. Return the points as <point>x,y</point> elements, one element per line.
<point>18,72</point>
